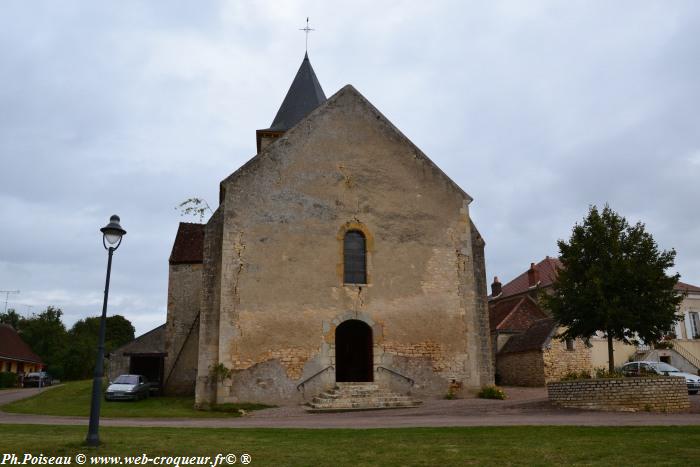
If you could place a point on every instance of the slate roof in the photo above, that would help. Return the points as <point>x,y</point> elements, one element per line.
<point>514,314</point>
<point>152,342</point>
<point>12,347</point>
<point>304,95</point>
<point>188,247</point>
<point>535,338</point>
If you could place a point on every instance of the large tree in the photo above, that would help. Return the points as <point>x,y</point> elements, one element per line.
<point>614,280</point>
<point>80,361</point>
<point>47,336</point>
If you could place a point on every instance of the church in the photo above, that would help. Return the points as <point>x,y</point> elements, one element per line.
<point>340,253</point>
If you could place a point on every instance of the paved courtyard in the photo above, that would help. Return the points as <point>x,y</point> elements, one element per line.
<point>525,406</point>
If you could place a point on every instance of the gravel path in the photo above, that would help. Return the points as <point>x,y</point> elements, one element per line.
<point>525,406</point>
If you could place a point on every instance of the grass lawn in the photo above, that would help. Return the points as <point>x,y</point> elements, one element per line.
<point>73,398</point>
<point>386,447</point>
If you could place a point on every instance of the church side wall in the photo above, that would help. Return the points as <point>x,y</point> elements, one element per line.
<point>282,290</point>
<point>486,356</point>
<point>182,328</point>
<point>208,355</point>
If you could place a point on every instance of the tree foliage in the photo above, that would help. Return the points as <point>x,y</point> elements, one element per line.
<point>80,362</point>
<point>614,280</point>
<point>47,336</point>
<point>10,317</point>
<point>70,354</point>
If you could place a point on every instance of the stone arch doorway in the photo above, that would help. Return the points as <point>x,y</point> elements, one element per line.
<point>353,352</point>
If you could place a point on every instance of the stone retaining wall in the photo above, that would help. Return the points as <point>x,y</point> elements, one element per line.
<point>662,394</point>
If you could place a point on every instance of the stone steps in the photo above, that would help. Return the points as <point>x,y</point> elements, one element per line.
<point>359,396</point>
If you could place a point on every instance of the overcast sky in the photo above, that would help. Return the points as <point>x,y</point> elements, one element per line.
<point>537,109</point>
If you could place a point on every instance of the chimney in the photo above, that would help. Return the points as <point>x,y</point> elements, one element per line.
<point>496,287</point>
<point>533,276</point>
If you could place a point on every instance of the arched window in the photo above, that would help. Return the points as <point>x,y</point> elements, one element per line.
<point>354,258</point>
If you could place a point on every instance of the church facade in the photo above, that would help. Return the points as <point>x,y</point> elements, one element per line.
<point>339,252</point>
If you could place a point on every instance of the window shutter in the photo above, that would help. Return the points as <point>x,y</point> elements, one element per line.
<point>688,326</point>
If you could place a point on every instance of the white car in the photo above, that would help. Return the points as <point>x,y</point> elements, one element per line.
<point>661,368</point>
<point>127,387</point>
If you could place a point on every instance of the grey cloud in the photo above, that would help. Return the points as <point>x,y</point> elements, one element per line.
<point>536,109</point>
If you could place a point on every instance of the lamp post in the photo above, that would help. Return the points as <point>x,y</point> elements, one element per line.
<point>112,234</point>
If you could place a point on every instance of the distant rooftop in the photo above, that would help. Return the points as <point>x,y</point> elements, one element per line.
<point>547,272</point>
<point>12,347</point>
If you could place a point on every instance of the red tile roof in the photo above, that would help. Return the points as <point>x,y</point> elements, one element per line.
<point>189,244</point>
<point>514,314</point>
<point>682,286</point>
<point>534,338</point>
<point>12,347</point>
<point>547,271</point>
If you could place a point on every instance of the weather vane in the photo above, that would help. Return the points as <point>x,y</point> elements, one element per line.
<point>307,30</point>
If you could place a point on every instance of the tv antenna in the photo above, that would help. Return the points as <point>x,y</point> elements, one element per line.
<point>7,296</point>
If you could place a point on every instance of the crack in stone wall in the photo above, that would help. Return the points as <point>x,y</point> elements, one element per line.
<point>292,359</point>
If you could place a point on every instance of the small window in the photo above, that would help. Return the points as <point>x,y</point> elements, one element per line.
<point>354,258</point>
<point>569,344</point>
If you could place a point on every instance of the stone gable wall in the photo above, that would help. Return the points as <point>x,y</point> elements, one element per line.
<point>281,292</point>
<point>662,394</point>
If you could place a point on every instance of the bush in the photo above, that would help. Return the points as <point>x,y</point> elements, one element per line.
<point>576,375</point>
<point>600,373</point>
<point>491,392</point>
<point>8,380</point>
<point>603,373</point>
<point>663,345</point>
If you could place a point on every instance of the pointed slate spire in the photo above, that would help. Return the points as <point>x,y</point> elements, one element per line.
<point>304,95</point>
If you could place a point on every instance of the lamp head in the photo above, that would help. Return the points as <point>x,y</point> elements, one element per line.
<point>113,232</point>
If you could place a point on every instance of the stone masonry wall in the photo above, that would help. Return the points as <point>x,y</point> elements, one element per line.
<point>558,362</point>
<point>658,394</point>
<point>520,369</point>
<point>117,364</point>
<point>205,389</point>
<point>481,316</point>
<point>182,328</point>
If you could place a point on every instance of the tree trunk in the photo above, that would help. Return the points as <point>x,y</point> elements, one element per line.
<point>611,356</point>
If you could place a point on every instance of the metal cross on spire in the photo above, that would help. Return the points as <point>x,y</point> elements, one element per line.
<point>307,30</point>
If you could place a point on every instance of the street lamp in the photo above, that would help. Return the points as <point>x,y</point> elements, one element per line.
<point>112,234</point>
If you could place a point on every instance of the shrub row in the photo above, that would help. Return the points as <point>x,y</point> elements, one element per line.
<point>8,380</point>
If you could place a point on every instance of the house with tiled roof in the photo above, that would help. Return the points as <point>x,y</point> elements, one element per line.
<point>523,335</point>
<point>513,307</point>
<point>15,355</point>
<point>536,357</point>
